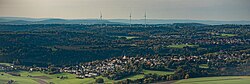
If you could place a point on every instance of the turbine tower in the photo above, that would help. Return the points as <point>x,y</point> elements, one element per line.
<point>130,16</point>
<point>145,17</point>
<point>101,18</point>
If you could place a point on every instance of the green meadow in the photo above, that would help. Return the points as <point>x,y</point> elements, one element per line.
<point>181,46</point>
<point>216,80</point>
<point>5,64</point>
<point>228,35</point>
<point>203,66</point>
<point>225,35</point>
<point>39,78</point>
<point>127,37</point>
<point>157,72</point>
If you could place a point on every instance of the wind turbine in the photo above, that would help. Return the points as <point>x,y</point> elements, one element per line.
<point>101,18</point>
<point>145,17</point>
<point>130,16</point>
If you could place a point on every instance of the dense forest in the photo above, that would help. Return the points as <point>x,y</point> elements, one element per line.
<point>69,44</point>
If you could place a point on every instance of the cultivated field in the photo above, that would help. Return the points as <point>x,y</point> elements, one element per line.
<point>41,78</point>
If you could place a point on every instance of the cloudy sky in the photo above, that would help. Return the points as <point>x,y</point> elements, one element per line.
<point>120,9</point>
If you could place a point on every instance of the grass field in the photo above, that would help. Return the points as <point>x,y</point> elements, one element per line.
<point>181,46</point>
<point>203,66</point>
<point>38,77</point>
<point>134,77</point>
<point>157,72</point>
<point>216,80</point>
<point>5,64</point>
<point>19,80</point>
<point>228,35</point>
<point>224,35</point>
<point>128,37</point>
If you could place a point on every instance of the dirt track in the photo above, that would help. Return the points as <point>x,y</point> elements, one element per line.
<point>166,82</point>
<point>41,77</point>
<point>40,81</point>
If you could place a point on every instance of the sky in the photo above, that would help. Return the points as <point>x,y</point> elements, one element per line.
<point>226,10</point>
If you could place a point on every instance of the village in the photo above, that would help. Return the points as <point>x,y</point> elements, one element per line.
<point>119,67</point>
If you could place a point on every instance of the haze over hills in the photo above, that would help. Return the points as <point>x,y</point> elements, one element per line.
<point>24,20</point>
<point>18,20</point>
<point>171,21</point>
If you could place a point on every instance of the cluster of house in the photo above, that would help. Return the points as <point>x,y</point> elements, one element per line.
<point>97,68</point>
<point>4,67</point>
<point>223,41</point>
<point>229,56</point>
<point>205,38</point>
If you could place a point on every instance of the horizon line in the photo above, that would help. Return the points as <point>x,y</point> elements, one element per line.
<point>114,18</point>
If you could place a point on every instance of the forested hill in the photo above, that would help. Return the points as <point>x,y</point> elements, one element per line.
<point>57,21</point>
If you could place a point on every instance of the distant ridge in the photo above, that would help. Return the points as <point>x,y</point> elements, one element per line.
<point>17,22</point>
<point>188,24</point>
<point>171,21</point>
<point>57,21</point>
<point>7,19</point>
<point>23,20</point>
